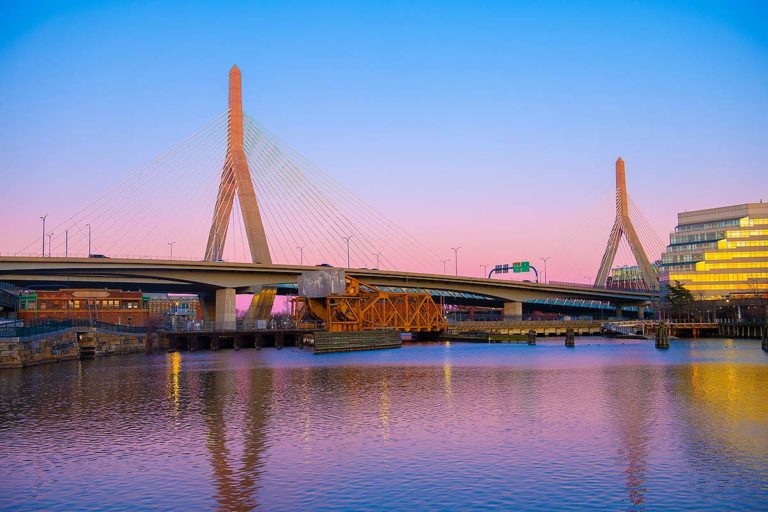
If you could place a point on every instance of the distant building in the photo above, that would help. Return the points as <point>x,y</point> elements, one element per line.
<point>164,308</point>
<point>102,305</point>
<point>719,252</point>
<point>628,277</point>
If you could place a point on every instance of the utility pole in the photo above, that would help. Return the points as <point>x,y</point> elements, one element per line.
<point>378,255</point>
<point>444,262</point>
<point>347,239</point>
<point>43,219</point>
<point>456,257</point>
<point>301,255</point>
<point>89,240</point>
<point>50,235</point>
<point>545,268</point>
<point>171,244</point>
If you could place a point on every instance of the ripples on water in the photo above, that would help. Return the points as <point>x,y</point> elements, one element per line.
<point>611,426</point>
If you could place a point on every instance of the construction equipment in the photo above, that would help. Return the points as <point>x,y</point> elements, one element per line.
<point>363,307</point>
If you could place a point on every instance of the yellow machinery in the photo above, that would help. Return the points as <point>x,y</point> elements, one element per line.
<point>363,307</point>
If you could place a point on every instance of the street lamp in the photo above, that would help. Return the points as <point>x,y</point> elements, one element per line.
<point>43,219</point>
<point>378,255</point>
<point>485,269</point>
<point>171,244</point>
<point>456,257</point>
<point>89,240</point>
<point>50,235</point>
<point>301,254</point>
<point>347,239</point>
<point>545,267</point>
<point>444,262</point>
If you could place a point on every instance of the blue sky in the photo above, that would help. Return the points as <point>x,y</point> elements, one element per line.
<point>443,115</point>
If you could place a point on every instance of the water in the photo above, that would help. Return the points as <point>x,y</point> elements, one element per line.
<point>603,426</point>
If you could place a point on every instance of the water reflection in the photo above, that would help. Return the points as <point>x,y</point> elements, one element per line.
<point>427,427</point>
<point>223,398</point>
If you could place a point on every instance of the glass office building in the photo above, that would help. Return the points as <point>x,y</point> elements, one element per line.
<point>719,252</point>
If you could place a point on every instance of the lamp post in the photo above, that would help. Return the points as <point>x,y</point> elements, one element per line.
<point>43,219</point>
<point>545,268</point>
<point>89,240</point>
<point>347,239</point>
<point>456,257</point>
<point>444,262</point>
<point>50,235</point>
<point>301,254</point>
<point>485,269</point>
<point>378,255</point>
<point>171,244</point>
<point>66,243</point>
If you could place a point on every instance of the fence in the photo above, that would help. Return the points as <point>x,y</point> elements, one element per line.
<point>20,329</point>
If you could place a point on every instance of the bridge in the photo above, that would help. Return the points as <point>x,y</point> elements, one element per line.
<point>283,209</point>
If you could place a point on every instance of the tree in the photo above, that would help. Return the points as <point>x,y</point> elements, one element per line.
<point>681,299</point>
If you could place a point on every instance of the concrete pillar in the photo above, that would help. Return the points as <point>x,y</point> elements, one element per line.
<point>513,310</point>
<point>208,306</point>
<point>640,312</point>
<point>618,311</point>
<point>226,314</point>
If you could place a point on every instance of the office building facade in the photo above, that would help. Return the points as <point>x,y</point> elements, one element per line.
<point>719,253</point>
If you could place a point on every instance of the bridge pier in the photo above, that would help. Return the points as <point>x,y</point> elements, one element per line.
<point>619,315</point>
<point>641,312</point>
<point>226,314</point>
<point>513,310</point>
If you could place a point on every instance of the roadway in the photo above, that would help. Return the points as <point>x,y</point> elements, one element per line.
<point>178,276</point>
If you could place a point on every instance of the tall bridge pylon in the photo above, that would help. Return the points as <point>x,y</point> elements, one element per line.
<point>623,226</point>
<point>236,179</point>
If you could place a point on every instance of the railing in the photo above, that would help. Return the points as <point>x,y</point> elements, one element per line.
<point>619,329</point>
<point>594,287</point>
<point>21,329</point>
<point>237,326</point>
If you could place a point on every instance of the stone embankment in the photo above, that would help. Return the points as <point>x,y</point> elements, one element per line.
<point>67,344</point>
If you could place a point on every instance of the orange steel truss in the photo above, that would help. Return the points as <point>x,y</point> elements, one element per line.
<point>363,307</point>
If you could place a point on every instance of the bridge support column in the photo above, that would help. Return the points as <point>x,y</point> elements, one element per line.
<point>226,314</point>
<point>618,311</point>
<point>513,310</point>
<point>641,312</point>
<point>208,305</point>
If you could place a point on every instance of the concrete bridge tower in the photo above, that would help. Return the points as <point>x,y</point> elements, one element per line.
<point>622,226</point>
<point>236,179</point>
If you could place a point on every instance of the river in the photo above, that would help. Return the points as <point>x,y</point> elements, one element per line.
<point>607,425</point>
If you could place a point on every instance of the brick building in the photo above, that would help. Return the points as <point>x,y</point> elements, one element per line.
<point>102,305</point>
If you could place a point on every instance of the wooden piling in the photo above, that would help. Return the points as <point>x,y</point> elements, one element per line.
<point>570,338</point>
<point>662,335</point>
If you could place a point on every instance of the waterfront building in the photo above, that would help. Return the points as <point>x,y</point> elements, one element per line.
<point>164,308</point>
<point>101,305</point>
<point>719,253</point>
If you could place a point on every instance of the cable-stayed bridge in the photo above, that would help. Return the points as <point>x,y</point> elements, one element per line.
<point>270,206</point>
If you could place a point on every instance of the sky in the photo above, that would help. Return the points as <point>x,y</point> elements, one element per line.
<point>489,125</point>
